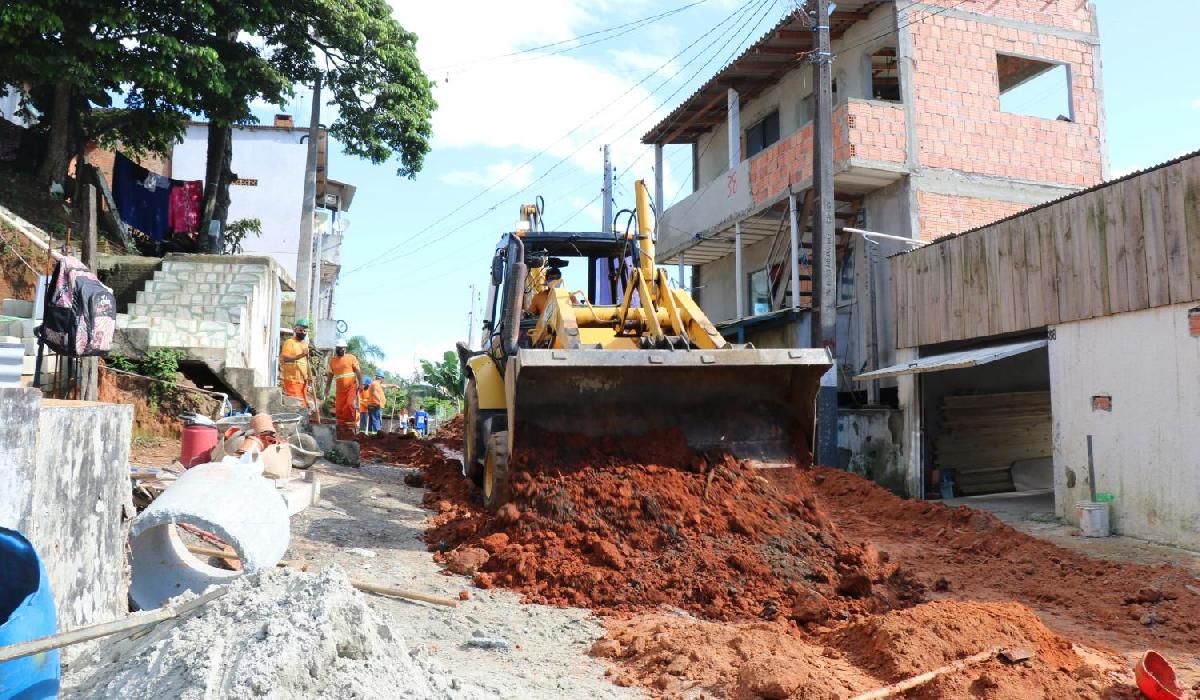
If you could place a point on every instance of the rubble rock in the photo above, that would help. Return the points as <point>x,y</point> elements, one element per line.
<point>466,561</point>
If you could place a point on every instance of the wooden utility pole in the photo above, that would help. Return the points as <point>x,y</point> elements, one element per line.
<point>824,317</point>
<point>89,367</point>
<point>606,207</point>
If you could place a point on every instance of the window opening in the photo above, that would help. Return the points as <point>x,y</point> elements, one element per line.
<point>760,292</point>
<point>764,133</point>
<point>1034,88</point>
<point>885,75</point>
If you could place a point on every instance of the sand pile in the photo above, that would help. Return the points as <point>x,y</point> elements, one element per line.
<point>276,634</point>
<point>970,553</point>
<point>645,522</point>
<point>772,660</point>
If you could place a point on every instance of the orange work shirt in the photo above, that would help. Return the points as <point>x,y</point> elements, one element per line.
<point>342,368</point>
<point>294,370</point>
<point>376,397</point>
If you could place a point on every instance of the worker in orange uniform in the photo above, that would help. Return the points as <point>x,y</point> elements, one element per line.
<point>364,402</point>
<point>344,369</point>
<point>542,299</point>
<point>293,363</point>
<point>376,400</point>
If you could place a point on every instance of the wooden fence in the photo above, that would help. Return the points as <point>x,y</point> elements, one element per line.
<point>1129,245</point>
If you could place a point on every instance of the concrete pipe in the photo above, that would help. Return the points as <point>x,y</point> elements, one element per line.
<point>232,500</point>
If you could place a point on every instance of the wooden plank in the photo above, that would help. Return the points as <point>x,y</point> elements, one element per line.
<point>928,330</point>
<point>1135,246</point>
<point>1004,280</point>
<point>979,287</point>
<point>914,304</point>
<point>1190,170</point>
<point>1153,185</point>
<point>1020,270</point>
<point>1051,275</point>
<point>1034,287</point>
<point>1179,276</point>
<point>895,267</point>
<point>992,293</point>
<point>1091,208</point>
<point>1069,286</point>
<point>959,311</point>
<point>946,270</point>
<point>1114,241</point>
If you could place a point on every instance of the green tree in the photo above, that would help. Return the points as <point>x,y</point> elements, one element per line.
<point>369,354</point>
<point>445,376</point>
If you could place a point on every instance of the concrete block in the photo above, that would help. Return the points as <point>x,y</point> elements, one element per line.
<point>18,308</point>
<point>326,435</point>
<point>299,493</point>
<point>344,452</point>
<point>231,499</point>
<point>64,483</point>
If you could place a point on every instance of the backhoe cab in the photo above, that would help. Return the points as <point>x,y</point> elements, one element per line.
<point>624,354</point>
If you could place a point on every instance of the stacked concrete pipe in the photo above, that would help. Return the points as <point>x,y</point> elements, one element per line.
<point>230,499</point>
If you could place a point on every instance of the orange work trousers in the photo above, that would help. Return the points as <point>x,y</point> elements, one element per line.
<point>297,390</point>
<point>347,412</point>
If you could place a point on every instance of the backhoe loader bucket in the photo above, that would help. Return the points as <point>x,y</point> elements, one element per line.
<point>759,405</point>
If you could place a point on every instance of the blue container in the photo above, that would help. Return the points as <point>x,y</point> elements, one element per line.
<point>26,612</point>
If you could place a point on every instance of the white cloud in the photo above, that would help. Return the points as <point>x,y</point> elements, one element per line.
<point>515,176</point>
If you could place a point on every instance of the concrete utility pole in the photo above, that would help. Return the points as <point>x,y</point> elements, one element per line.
<point>304,251</point>
<point>471,321</point>
<point>606,208</point>
<point>824,321</point>
<point>89,367</point>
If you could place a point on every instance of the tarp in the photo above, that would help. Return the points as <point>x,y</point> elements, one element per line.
<point>953,360</point>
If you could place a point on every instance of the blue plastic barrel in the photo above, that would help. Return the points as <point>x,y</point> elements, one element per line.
<point>26,612</point>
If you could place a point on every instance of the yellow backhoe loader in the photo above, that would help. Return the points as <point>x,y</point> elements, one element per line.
<point>626,356</point>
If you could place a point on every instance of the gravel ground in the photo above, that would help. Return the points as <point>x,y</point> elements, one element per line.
<point>371,524</point>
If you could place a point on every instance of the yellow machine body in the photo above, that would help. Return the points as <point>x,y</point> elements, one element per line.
<point>651,362</point>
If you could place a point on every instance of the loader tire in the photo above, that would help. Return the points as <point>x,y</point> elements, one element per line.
<point>495,472</point>
<point>474,436</point>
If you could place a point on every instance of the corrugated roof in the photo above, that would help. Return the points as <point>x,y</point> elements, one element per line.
<point>761,65</point>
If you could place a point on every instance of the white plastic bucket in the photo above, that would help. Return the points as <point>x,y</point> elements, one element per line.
<point>1093,519</point>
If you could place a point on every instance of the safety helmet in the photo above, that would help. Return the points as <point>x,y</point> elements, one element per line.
<point>340,343</point>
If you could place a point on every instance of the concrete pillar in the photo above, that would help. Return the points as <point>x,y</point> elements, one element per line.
<point>739,277</point>
<point>734,111</point>
<point>793,219</point>
<point>909,396</point>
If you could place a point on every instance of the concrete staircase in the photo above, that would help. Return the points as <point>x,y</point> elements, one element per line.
<point>219,310</point>
<point>16,321</point>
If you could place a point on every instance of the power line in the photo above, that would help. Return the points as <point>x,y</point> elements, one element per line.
<point>389,256</point>
<point>627,27</point>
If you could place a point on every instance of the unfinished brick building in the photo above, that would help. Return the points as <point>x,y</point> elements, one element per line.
<point>948,114</point>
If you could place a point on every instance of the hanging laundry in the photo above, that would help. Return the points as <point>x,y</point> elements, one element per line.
<point>143,198</point>
<point>184,209</point>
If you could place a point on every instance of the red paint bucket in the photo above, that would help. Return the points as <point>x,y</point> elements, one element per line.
<point>196,445</point>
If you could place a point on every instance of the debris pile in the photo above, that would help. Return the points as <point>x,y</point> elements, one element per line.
<point>635,524</point>
<point>971,553</point>
<point>279,633</point>
<point>674,654</point>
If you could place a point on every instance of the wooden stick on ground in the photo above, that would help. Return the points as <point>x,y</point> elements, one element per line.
<point>103,629</point>
<point>910,683</point>
<point>364,586</point>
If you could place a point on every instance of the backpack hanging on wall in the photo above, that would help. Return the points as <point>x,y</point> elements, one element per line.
<point>80,315</point>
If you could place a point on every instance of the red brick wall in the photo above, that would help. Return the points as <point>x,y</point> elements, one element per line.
<point>941,215</point>
<point>1064,14</point>
<point>861,129</point>
<point>957,97</point>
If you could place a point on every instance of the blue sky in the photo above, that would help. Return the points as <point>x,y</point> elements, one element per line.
<point>535,125</point>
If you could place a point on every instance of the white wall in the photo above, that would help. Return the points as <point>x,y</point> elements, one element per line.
<point>1145,449</point>
<point>273,157</point>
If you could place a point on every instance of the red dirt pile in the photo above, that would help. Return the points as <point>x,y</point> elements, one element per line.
<point>639,523</point>
<point>393,448</point>
<point>968,553</point>
<point>677,655</point>
<point>450,433</point>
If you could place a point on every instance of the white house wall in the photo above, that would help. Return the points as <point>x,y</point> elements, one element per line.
<point>276,159</point>
<point>1145,447</point>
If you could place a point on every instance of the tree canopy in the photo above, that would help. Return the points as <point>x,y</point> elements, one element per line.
<point>135,71</point>
<point>445,376</point>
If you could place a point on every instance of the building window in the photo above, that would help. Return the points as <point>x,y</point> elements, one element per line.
<point>760,292</point>
<point>760,136</point>
<point>884,75</point>
<point>1034,88</point>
